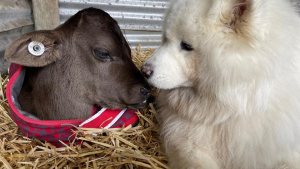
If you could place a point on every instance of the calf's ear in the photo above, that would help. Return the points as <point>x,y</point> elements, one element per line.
<point>35,49</point>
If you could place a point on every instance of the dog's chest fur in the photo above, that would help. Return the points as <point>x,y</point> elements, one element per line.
<point>236,141</point>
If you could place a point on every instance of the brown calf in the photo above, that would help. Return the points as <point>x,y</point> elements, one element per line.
<point>86,61</point>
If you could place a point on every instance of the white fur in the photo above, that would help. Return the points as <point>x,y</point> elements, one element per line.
<point>234,101</point>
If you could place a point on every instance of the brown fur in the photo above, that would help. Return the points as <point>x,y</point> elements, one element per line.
<point>67,79</point>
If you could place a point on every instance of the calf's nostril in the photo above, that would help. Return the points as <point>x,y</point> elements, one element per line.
<point>146,92</point>
<point>147,70</point>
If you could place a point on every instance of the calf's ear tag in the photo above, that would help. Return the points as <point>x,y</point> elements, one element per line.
<point>36,48</point>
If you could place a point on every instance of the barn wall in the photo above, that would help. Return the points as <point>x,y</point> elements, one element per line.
<point>15,20</point>
<point>140,20</point>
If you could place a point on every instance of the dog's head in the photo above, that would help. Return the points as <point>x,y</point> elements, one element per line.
<point>208,39</point>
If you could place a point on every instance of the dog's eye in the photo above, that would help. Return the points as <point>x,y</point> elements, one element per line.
<point>185,46</point>
<point>101,55</point>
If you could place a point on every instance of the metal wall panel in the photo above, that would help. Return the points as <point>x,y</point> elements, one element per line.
<point>140,20</point>
<point>14,14</point>
<point>15,20</point>
<point>6,38</point>
<point>147,39</point>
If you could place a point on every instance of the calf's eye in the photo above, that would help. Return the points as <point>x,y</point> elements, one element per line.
<point>186,46</point>
<point>101,55</point>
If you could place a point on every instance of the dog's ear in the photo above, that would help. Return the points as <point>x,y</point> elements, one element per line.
<point>239,14</point>
<point>35,49</point>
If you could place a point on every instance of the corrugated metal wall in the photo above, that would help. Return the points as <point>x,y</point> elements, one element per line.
<point>15,20</point>
<point>140,20</point>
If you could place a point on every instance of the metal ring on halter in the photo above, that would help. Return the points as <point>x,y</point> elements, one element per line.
<point>36,48</point>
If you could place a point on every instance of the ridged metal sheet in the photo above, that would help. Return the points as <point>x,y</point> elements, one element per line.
<point>146,39</point>
<point>140,20</point>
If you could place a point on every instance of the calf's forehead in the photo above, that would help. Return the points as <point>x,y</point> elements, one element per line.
<point>100,26</point>
<point>93,28</point>
<point>98,36</point>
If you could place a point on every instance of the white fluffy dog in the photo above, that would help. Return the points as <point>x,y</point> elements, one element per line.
<point>230,70</point>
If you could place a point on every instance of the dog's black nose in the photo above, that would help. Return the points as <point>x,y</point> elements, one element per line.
<point>147,70</point>
<point>146,92</point>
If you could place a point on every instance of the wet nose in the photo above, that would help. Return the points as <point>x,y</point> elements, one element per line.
<point>146,92</point>
<point>147,70</point>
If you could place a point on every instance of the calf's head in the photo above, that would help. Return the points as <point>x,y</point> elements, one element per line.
<point>86,61</point>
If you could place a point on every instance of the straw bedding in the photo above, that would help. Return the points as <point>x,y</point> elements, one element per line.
<point>128,148</point>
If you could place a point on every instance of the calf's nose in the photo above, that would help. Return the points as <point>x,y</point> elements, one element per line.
<point>147,70</point>
<point>146,92</point>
